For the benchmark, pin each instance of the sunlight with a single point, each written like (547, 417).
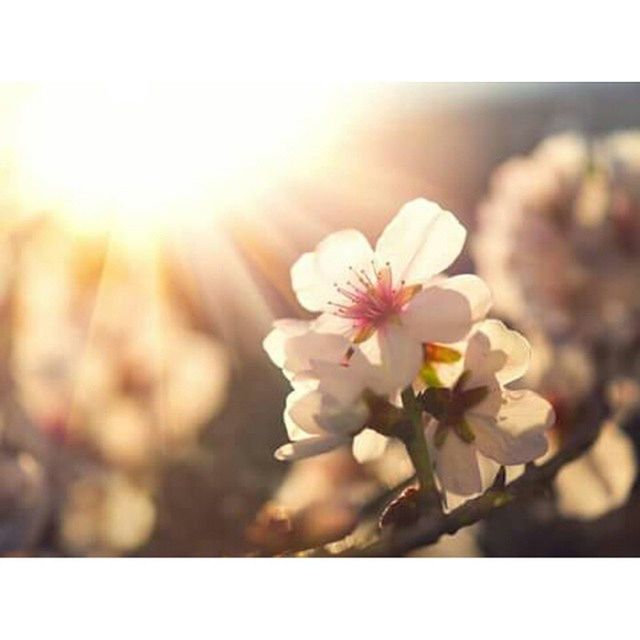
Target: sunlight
(149, 157)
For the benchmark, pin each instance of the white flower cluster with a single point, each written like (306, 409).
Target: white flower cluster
(392, 330)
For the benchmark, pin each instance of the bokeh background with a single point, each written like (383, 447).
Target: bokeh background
(146, 235)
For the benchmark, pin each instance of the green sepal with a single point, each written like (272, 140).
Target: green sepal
(463, 430)
(472, 397)
(436, 400)
(441, 435)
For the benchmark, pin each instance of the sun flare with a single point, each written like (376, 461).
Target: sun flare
(149, 157)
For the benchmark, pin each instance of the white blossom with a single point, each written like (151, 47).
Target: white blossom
(390, 299)
(330, 402)
(481, 424)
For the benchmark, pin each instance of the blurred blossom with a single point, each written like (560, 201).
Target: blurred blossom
(106, 514)
(563, 370)
(601, 479)
(559, 242)
(318, 502)
(623, 393)
(106, 359)
(111, 380)
(558, 236)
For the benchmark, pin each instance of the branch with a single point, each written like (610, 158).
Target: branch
(431, 527)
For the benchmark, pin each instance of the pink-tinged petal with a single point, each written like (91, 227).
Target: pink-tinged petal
(420, 242)
(315, 275)
(396, 356)
(496, 351)
(309, 447)
(455, 463)
(516, 435)
(447, 311)
(282, 332)
(369, 445)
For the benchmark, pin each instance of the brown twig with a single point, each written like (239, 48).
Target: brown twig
(431, 527)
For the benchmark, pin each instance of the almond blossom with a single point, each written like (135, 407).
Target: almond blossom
(479, 424)
(390, 299)
(391, 326)
(332, 399)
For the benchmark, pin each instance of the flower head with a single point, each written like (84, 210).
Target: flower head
(478, 424)
(333, 398)
(389, 299)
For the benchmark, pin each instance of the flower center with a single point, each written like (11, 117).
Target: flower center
(370, 302)
(449, 406)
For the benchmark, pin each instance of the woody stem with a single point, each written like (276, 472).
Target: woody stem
(416, 445)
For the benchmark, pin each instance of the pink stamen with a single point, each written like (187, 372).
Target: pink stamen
(372, 301)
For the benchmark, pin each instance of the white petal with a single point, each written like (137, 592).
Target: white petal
(420, 242)
(456, 464)
(474, 289)
(369, 445)
(524, 410)
(331, 323)
(318, 412)
(446, 312)
(397, 357)
(310, 288)
(490, 406)
(283, 330)
(302, 351)
(488, 471)
(345, 383)
(495, 350)
(517, 434)
(309, 447)
(315, 275)
(301, 401)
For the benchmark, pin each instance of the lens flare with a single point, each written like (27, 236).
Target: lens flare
(148, 157)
